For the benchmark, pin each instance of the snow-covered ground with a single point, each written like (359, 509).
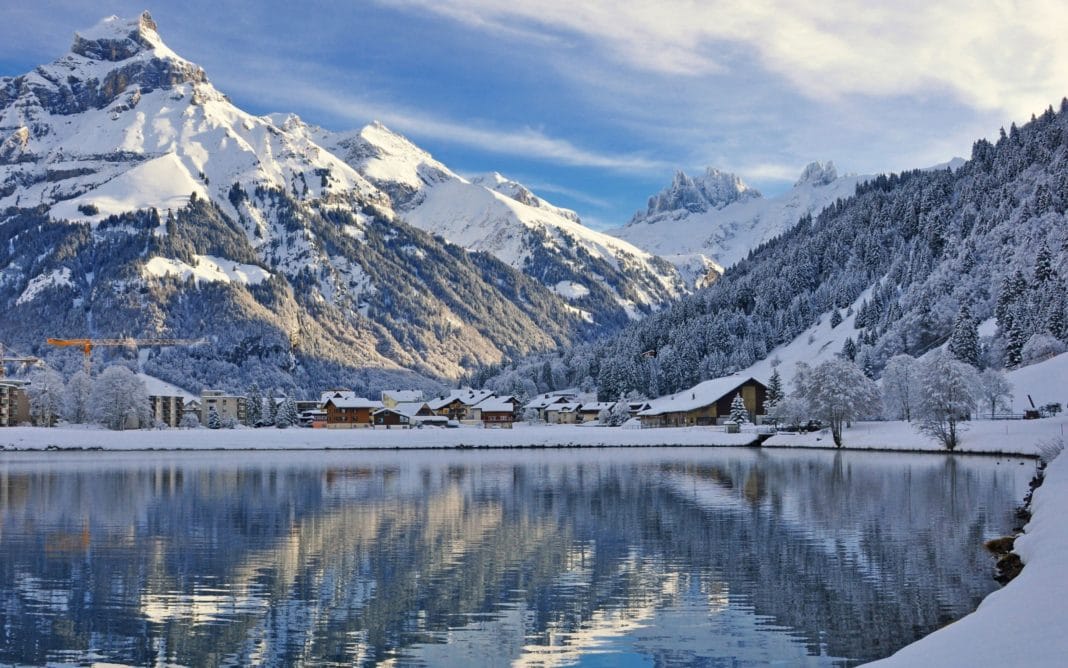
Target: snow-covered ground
(1024, 623)
(27, 438)
(979, 436)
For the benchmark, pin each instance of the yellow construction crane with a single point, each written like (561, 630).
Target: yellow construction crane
(18, 360)
(87, 345)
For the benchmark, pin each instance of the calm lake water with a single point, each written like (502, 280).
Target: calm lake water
(556, 557)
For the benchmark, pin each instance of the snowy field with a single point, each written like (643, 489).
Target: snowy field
(978, 436)
(1024, 623)
(35, 438)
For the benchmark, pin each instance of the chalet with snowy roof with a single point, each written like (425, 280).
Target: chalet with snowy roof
(457, 404)
(706, 403)
(335, 394)
(562, 413)
(348, 412)
(390, 398)
(497, 412)
(14, 403)
(390, 417)
(591, 410)
(542, 402)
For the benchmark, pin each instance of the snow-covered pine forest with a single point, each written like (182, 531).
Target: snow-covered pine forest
(987, 241)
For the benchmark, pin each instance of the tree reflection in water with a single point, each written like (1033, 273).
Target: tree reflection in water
(671, 556)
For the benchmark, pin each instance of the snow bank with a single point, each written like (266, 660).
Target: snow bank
(30, 438)
(1022, 624)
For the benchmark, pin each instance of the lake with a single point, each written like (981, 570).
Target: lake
(602, 557)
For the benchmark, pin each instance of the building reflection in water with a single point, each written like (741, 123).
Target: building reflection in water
(532, 558)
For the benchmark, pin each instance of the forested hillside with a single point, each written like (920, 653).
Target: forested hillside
(991, 237)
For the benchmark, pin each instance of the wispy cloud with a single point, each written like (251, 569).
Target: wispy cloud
(525, 141)
(998, 55)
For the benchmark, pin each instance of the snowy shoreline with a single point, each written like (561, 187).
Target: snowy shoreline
(1019, 438)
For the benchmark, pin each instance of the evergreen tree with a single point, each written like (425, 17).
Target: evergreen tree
(836, 318)
(214, 422)
(1043, 265)
(739, 414)
(775, 392)
(964, 342)
(287, 415)
(254, 412)
(849, 349)
(271, 414)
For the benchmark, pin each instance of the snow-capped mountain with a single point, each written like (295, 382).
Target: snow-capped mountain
(706, 224)
(606, 279)
(139, 200)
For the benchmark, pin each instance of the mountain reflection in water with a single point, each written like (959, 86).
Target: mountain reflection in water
(599, 557)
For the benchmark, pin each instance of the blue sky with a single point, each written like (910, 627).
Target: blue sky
(593, 103)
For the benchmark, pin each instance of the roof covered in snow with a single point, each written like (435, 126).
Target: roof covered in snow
(496, 405)
(403, 395)
(161, 388)
(698, 396)
(353, 402)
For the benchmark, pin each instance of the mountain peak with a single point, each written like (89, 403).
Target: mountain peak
(116, 39)
(714, 189)
(817, 174)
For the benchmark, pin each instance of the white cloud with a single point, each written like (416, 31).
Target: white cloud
(1005, 56)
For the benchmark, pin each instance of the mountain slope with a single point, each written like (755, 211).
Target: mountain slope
(138, 200)
(900, 260)
(712, 222)
(607, 279)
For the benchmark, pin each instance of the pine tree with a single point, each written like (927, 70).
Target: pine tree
(254, 413)
(271, 413)
(836, 318)
(849, 349)
(1043, 265)
(775, 392)
(214, 422)
(287, 414)
(739, 414)
(964, 342)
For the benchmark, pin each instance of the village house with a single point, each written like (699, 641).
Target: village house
(390, 398)
(457, 404)
(226, 405)
(542, 402)
(390, 417)
(348, 412)
(14, 403)
(168, 403)
(706, 403)
(419, 414)
(497, 412)
(591, 411)
(562, 413)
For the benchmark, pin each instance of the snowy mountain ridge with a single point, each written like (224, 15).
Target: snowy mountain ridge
(702, 235)
(502, 217)
(139, 200)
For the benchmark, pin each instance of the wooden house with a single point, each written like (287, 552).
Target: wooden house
(349, 412)
(497, 412)
(706, 403)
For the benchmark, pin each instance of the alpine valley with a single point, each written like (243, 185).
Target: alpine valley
(139, 201)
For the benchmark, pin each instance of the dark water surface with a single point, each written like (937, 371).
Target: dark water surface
(592, 557)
